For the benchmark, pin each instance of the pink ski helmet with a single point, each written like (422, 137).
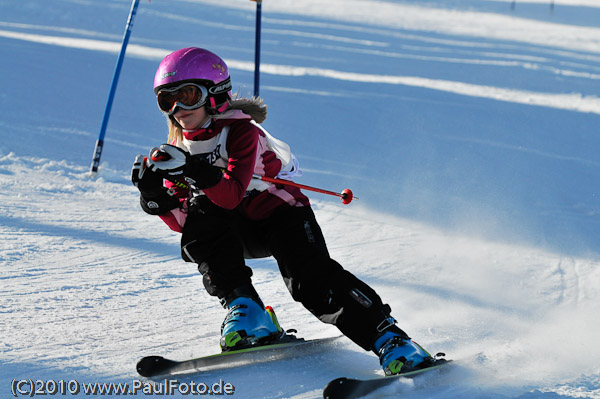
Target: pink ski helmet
(195, 65)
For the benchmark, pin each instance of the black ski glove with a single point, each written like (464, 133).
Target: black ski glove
(172, 163)
(147, 181)
(155, 199)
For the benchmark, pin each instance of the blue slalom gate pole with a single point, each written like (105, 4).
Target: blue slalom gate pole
(113, 88)
(257, 48)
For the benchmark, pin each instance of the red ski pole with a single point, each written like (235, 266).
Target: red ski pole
(346, 194)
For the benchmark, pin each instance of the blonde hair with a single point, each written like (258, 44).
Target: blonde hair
(254, 107)
(175, 132)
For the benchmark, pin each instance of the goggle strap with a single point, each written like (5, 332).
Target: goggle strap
(213, 105)
(223, 107)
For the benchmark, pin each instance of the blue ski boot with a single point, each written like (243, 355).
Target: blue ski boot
(249, 324)
(399, 355)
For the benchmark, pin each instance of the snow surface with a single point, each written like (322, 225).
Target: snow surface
(469, 130)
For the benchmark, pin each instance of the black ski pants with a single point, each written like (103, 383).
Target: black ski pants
(220, 240)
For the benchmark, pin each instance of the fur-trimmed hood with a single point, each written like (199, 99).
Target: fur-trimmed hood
(254, 107)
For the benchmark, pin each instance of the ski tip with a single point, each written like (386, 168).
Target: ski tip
(333, 387)
(147, 366)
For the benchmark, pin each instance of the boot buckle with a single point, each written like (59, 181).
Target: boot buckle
(386, 323)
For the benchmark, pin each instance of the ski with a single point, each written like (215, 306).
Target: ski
(349, 388)
(290, 346)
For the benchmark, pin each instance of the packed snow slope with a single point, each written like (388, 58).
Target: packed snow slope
(469, 130)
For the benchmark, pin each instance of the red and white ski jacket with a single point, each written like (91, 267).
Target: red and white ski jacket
(239, 146)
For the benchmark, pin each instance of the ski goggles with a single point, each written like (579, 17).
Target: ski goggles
(186, 96)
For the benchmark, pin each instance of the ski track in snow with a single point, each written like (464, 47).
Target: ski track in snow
(91, 283)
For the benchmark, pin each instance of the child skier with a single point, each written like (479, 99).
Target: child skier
(202, 185)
